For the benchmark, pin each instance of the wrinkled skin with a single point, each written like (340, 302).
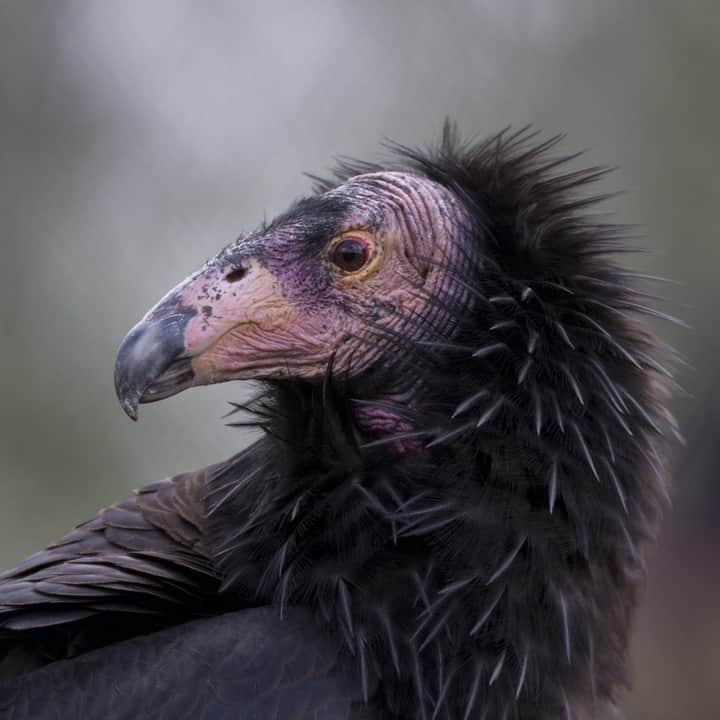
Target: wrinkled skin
(277, 303)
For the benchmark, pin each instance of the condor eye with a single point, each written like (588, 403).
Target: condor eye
(350, 254)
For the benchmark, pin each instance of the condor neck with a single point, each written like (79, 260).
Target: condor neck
(455, 567)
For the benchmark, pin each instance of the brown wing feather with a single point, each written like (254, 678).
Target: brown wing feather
(138, 564)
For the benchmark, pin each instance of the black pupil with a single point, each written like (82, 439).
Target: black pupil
(350, 254)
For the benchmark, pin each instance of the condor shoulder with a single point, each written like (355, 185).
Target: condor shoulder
(138, 565)
(129, 555)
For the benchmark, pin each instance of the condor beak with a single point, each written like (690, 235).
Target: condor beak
(219, 324)
(149, 365)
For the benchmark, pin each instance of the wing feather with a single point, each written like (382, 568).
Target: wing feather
(137, 565)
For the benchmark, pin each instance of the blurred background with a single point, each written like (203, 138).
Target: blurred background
(136, 139)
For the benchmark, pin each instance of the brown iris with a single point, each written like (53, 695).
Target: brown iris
(350, 254)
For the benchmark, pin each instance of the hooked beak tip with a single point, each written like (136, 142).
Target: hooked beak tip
(128, 394)
(129, 404)
(144, 358)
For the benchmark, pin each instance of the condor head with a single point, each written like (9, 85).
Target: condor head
(346, 275)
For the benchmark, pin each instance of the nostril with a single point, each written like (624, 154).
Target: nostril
(237, 274)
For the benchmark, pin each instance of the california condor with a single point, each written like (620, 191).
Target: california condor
(463, 456)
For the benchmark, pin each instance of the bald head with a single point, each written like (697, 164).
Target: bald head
(341, 275)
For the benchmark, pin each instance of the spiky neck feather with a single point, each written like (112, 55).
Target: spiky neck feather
(496, 570)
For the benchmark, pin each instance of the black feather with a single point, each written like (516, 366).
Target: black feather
(454, 550)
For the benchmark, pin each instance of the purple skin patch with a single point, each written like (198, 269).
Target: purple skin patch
(378, 423)
(275, 303)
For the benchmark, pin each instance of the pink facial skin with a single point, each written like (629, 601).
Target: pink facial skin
(245, 328)
(274, 304)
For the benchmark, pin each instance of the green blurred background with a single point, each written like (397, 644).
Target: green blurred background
(138, 138)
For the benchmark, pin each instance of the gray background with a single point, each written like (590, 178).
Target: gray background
(138, 138)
